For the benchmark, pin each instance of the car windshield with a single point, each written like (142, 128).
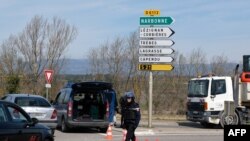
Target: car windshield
(32, 102)
(198, 88)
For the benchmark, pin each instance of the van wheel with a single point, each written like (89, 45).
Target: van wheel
(64, 127)
(229, 119)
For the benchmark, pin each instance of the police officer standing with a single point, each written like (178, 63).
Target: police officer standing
(132, 116)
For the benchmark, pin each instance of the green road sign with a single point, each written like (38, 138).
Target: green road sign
(156, 20)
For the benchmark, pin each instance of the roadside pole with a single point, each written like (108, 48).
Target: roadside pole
(47, 92)
(150, 102)
(154, 46)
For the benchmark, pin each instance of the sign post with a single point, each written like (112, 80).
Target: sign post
(155, 33)
(48, 75)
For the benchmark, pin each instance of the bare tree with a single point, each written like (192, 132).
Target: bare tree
(97, 59)
(135, 79)
(11, 63)
(42, 45)
(197, 61)
(219, 65)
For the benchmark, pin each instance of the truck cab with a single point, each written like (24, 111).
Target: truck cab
(205, 99)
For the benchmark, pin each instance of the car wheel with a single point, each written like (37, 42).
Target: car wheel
(64, 127)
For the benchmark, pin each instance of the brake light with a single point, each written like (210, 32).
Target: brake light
(54, 115)
(107, 109)
(69, 110)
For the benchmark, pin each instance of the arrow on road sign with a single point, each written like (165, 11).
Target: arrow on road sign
(48, 75)
(152, 32)
(166, 51)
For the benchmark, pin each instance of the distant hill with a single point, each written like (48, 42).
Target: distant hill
(76, 66)
(82, 66)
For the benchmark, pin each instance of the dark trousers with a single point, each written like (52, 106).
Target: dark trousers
(130, 131)
(122, 121)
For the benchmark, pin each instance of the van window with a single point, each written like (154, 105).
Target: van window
(61, 97)
(67, 96)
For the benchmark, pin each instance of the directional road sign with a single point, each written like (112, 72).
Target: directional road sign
(48, 75)
(156, 42)
(153, 32)
(156, 20)
(155, 67)
(155, 59)
(165, 51)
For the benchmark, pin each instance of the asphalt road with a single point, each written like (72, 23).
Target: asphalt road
(161, 131)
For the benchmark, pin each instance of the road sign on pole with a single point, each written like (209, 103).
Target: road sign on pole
(165, 51)
(156, 59)
(152, 12)
(167, 42)
(155, 67)
(155, 32)
(48, 75)
(156, 20)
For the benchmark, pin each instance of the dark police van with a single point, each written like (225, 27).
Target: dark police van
(83, 104)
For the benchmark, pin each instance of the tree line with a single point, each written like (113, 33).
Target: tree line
(42, 45)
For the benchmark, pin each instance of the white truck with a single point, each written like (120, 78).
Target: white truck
(223, 100)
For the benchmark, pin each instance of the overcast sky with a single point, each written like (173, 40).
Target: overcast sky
(218, 27)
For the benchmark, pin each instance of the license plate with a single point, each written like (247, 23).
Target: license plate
(36, 114)
(195, 112)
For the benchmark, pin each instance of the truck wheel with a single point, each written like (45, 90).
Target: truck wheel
(229, 119)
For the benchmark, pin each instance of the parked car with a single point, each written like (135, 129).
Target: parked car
(36, 106)
(17, 125)
(83, 104)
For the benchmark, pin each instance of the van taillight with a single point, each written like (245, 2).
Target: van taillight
(107, 109)
(54, 114)
(69, 110)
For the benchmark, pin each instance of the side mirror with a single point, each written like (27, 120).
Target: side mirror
(34, 121)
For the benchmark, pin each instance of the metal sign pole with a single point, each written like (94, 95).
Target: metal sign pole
(150, 99)
(47, 93)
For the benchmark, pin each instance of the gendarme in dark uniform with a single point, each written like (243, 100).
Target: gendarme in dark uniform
(132, 116)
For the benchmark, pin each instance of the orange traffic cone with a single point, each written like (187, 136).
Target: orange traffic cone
(124, 132)
(109, 135)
